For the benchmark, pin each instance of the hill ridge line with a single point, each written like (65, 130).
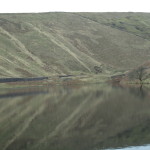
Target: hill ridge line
(109, 26)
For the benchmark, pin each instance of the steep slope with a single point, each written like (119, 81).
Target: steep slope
(63, 43)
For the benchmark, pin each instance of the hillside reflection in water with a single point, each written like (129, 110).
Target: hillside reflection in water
(90, 117)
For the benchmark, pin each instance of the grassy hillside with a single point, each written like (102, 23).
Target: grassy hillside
(72, 43)
(135, 23)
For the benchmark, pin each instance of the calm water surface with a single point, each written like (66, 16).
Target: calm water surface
(91, 117)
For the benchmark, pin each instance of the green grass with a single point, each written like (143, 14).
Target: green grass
(135, 23)
(68, 43)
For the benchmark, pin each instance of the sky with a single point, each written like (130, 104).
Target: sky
(19, 6)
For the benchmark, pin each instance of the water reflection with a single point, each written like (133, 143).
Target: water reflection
(146, 147)
(10, 93)
(89, 117)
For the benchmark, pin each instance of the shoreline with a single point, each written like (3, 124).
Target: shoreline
(65, 80)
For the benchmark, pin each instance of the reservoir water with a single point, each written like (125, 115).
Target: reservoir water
(87, 117)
